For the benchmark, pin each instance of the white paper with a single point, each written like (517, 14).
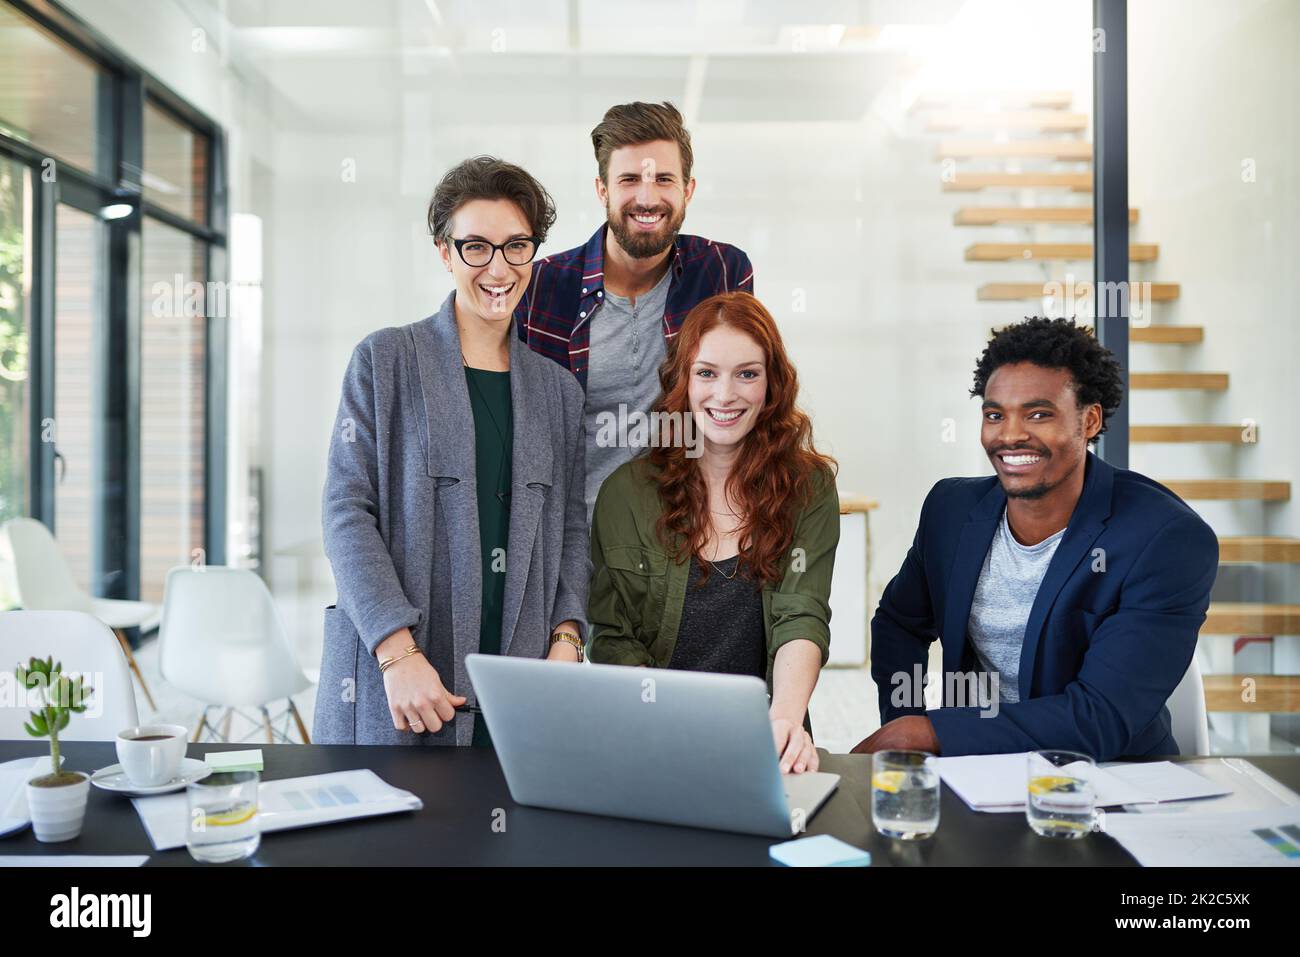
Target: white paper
(286, 803)
(1209, 840)
(1250, 790)
(1164, 781)
(72, 860)
(14, 776)
(998, 782)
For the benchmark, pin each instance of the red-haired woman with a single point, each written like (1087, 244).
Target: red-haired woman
(714, 551)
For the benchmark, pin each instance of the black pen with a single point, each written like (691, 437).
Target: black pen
(469, 709)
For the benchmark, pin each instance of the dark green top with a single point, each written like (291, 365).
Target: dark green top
(489, 398)
(638, 590)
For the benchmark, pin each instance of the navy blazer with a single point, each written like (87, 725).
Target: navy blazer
(1110, 634)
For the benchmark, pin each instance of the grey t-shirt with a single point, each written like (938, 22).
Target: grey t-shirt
(1004, 595)
(627, 346)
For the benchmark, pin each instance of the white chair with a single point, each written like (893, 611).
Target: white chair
(221, 641)
(84, 645)
(1187, 716)
(42, 582)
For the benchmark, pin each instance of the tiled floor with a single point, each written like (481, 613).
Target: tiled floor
(843, 706)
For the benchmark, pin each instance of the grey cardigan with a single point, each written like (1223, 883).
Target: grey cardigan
(400, 519)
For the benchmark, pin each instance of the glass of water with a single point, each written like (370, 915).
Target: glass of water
(223, 823)
(904, 795)
(1061, 801)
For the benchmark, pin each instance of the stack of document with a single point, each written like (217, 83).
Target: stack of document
(285, 804)
(1237, 839)
(999, 782)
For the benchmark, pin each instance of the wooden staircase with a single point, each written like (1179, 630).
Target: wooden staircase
(1039, 142)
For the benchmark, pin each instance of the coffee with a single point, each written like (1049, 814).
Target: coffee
(151, 754)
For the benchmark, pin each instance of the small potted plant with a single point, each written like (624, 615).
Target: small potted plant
(57, 801)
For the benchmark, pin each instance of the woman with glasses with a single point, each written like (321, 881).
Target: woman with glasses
(453, 517)
(714, 551)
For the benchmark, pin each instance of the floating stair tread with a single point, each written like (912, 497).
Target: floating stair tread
(1268, 693)
(1056, 120)
(1035, 99)
(1015, 215)
(1251, 618)
(1250, 549)
(1167, 335)
(1188, 433)
(1259, 490)
(1213, 381)
(1066, 150)
(1008, 291)
(1013, 252)
(969, 182)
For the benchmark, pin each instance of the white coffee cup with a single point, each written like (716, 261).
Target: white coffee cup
(151, 753)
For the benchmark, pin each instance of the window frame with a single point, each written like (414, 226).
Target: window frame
(125, 89)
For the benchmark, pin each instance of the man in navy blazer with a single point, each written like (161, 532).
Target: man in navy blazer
(1075, 588)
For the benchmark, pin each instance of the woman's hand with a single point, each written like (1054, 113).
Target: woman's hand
(563, 650)
(417, 699)
(794, 746)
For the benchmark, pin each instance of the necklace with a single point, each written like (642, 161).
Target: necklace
(502, 494)
(734, 573)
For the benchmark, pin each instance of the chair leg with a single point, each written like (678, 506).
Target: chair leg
(266, 723)
(225, 725)
(302, 728)
(130, 660)
(203, 720)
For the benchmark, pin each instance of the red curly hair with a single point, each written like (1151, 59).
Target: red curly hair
(772, 480)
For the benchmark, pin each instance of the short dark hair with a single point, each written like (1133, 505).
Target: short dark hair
(486, 177)
(630, 123)
(1057, 344)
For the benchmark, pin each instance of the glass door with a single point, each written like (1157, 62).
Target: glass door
(77, 426)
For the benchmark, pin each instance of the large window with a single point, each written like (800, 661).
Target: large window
(172, 403)
(15, 298)
(76, 430)
(51, 95)
(109, 218)
(175, 165)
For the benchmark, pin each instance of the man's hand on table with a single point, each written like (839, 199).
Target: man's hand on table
(911, 732)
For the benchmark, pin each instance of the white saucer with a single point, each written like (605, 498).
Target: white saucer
(113, 778)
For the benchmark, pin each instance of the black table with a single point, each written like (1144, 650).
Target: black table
(464, 793)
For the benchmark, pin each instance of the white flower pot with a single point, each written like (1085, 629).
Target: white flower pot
(58, 813)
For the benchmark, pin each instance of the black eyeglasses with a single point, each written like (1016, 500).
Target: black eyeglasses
(479, 252)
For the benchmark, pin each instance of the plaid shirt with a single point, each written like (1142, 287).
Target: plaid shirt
(554, 316)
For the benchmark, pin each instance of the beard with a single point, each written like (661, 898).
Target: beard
(1034, 491)
(641, 245)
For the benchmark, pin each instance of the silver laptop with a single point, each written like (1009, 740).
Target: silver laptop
(676, 747)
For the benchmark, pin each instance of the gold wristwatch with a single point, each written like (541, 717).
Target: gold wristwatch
(571, 638)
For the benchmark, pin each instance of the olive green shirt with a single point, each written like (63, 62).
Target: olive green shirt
(637, 588)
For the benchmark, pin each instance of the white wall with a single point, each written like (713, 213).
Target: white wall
(1213, 86)
(807, 164)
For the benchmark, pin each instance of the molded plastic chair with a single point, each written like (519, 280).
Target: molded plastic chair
(84, 645)
(43, 583)
(221, 641)
(1187, 716)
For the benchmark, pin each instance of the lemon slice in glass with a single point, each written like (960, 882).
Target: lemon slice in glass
(1047, 783)
(235, 815)
(889, 781)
